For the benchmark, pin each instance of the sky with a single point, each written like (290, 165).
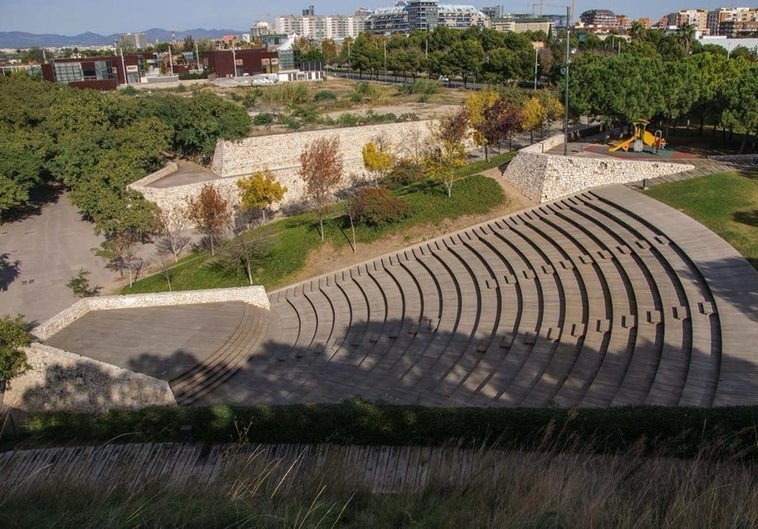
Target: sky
(72, 17)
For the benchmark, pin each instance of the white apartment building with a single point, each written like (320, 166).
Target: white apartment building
(320, 27)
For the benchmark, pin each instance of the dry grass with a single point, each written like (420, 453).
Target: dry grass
(503, 490)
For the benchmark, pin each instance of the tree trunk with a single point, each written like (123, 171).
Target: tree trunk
(743, 144)
(213, 250)
(352, 228)
(702, 124)
(248, 270)
(321, 226)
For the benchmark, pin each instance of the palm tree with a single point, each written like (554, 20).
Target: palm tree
(685, 34)
(637, 31)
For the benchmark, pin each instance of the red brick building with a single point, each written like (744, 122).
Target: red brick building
(246, 61)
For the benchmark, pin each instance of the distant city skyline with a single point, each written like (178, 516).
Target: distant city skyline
(73, 17)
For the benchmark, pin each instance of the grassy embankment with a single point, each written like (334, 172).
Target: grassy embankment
(285, 243)
(727, 203)
(513, 490)
(535, 468)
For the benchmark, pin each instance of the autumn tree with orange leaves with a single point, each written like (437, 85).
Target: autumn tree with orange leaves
(210, 213)
(321, 168)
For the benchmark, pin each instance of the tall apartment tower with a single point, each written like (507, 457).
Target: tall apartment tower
(422, 14)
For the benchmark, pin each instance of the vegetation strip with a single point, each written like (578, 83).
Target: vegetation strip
(719, 433)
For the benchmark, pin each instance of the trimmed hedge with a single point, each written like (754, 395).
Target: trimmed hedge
(721, 433)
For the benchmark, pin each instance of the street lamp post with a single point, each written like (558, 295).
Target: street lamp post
(535, 68)
(385, 61)
(234, 60)
(568, 62)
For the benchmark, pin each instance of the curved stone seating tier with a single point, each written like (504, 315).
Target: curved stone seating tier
(581, 302)
(226, 361)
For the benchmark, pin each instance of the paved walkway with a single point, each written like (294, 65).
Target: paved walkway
(44, 252)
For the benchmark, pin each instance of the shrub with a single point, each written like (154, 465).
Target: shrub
(348, 120)
(420, 86)
(263, 118)
(14, 336)
(377, 206)
(290, 122)
(404, 173)
(408, 116)
(324, 95)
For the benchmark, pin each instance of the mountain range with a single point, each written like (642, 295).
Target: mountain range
(21, 39)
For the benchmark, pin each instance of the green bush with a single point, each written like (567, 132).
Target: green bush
(718, 433)
(323, 96)
(348, 120)
(377, 206)
(263, 118)
(419, 86)
(404, 173)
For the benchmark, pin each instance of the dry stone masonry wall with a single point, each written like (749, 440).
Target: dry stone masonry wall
(280, 153)
(59, 380)
(254, 295)
(544, 177)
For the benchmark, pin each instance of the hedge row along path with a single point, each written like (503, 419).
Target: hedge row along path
(605, 298)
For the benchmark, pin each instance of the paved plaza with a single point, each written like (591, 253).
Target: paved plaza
(606, 298)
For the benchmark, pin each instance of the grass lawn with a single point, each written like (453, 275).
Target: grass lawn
(283, 246)
(727, 203)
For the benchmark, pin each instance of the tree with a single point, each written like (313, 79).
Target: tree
(476, 103)
(169, 226)
(209, 211)
(741, 96)
(120, 250)
(534, 115)
(189, 43)
(14, 336)
(376, 158)
(259, 190)
(501, 122)
(685, 35)
(321, 168)
(79, 285)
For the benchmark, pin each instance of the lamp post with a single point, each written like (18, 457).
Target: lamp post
(385, 61)
(234, 60)
(535, 68)
(349, 70)
(568, 62)
(123, 66)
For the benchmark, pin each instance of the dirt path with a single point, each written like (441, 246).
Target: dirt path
(328, 258)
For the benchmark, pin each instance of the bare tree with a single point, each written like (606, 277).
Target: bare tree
(210, 213)
(121, 253)
(321, 168)
(169, 226)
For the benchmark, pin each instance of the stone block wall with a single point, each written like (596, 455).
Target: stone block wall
(254, 295)
(59, 380)
(544, 177)
(280, 153)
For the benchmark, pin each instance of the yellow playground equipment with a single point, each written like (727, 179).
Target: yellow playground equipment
(641, 137)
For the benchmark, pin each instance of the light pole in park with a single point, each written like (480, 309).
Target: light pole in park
(568, 62)
(535, 68)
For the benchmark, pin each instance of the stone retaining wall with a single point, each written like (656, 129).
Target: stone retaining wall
(747, 159)
(544, 177)
(280, 153)
(59, 380)
(255, 295)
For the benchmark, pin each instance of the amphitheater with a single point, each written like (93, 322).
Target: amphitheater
(603, 297)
